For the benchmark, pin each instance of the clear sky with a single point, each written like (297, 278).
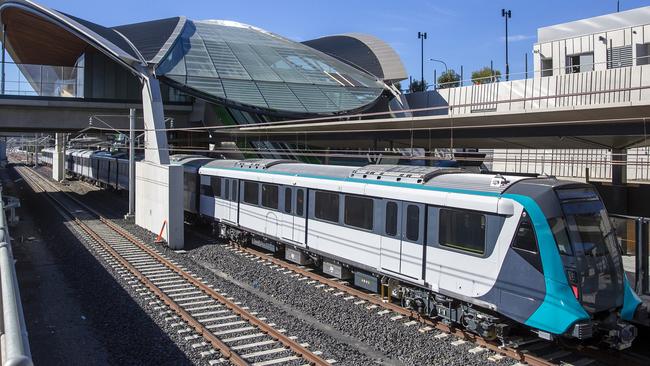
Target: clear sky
(461, 32)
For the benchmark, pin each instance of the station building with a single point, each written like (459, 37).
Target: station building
(228, 72)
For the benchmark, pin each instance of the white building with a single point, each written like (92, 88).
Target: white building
(604, 42)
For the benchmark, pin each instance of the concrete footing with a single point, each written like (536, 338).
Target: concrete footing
(159, 201)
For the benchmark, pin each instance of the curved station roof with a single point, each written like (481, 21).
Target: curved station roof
(220, 61)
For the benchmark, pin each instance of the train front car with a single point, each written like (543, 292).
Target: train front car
(587, 295)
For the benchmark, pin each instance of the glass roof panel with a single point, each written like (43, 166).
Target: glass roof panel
(250, 66)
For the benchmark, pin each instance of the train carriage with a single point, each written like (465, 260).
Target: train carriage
(480, 250)
(191, 182)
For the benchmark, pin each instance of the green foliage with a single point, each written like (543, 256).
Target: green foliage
(485, 76)
(417, 86)
(448, 79)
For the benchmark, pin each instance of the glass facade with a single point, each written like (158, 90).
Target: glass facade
(243, 65)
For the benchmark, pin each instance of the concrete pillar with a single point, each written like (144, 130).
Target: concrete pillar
(619, 167)
(158, 185)
(3, 152)
(58, 158)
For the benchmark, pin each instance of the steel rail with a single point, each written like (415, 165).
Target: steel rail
(226, 352)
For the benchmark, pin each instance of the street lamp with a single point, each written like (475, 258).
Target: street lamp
(435, 82)
(507, 15)
(422, 36)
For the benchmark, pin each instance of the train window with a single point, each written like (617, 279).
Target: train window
(300, 202)
(287, 200)
(558, 227)
(251, 193)
(270, 196)
(391, 218)
(525, 236)
(462, 230)
(412, 222)
(525, 243)
(358, 212)
(206, 190)
(233, 191)
(326, 206)
(226, 195)
(215, 183)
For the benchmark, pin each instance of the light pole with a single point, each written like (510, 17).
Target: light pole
(422, 36)
(507, 15)
(435, 82)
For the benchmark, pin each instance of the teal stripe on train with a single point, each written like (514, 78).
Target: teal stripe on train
(630, 302)
(560, 309)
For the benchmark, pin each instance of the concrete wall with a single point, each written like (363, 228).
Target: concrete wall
(600, 87)
(159, 201)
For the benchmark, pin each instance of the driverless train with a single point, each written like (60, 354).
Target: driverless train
(489, 252)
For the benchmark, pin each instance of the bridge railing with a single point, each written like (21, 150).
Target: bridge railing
(14, 343)
(42, 80)
(635, 249)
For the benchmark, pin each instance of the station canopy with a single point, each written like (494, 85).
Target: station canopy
(220, 61)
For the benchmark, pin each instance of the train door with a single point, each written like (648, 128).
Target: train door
(391, 238)
(293, 215)
(300, 217)
(233, 202)
(412, 239)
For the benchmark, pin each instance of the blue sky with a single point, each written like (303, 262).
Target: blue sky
(463, 32)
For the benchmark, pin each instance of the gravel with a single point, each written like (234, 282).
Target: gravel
(348, 333)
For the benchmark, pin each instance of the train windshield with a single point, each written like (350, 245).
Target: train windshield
(594, 246)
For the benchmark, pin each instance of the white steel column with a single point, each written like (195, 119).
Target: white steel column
(58, 158)
(131, 212)
(158, 184)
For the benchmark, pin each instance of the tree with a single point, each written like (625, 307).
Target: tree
(485, 76)
(416, 86)
(448, 79)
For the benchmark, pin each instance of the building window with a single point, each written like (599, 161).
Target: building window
(582, 62)
(270, 196)
(359, 212)
(462, 230)
(412, 222)
(547, 67)
(287, 200)
(326, 206)
(300, 202)
(391, 218)
(643, 54)
(619, 57)
(251, 193)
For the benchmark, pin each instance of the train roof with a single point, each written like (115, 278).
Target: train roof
(439, 177)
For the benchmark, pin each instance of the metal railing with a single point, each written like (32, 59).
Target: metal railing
(42, 80)
(592, 164)
(13, 337)
(635, 249)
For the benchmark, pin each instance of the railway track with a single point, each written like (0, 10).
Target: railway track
(537, 353)
(235, 333)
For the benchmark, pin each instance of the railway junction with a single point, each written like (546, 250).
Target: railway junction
(182, 191)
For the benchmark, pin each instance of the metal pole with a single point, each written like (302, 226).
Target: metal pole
(422, 36)
(507, 15)
(461, 75)
(526, 61)
(4, 39)
(435, 79)
(131, 212)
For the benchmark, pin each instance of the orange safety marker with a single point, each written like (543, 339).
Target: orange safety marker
(159, 239)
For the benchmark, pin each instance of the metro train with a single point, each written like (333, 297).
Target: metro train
(489, 252)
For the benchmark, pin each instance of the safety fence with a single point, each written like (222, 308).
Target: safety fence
(13, 331)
